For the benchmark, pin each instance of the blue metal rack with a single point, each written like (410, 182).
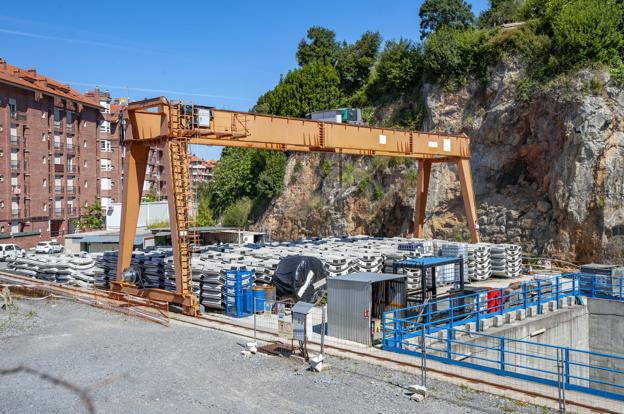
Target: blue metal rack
(238, 293)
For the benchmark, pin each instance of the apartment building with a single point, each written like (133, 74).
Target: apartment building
(109, 151)
(200, 170)
(49, 136)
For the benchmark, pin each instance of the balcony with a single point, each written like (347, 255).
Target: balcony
(15, 141)
(59, 168)
(16, 190)
(58, 212)
(71, 148)
(18, 116)
(15, 213)
(58, 146)
(69, 128)
(72, 169)
(57, 124)
(70, 189)
(58, 190)
(15, 166)
(72, 211)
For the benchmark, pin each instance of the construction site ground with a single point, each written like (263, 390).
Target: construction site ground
(134, 366)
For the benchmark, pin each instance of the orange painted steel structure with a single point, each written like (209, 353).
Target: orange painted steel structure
(172, 126)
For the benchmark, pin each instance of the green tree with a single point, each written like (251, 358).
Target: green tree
(237, 214)
(205, 216)
(500, 12)
(399, 70)
(355, 61)
(152, 195)
(435, 14)
(315, 86)
(588, 31)
(453, 55)
(321, 47)
(244, 172)
(93, 217)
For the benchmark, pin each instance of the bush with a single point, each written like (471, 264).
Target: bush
(314, 87)
(399, 70)
(452, 56)
(237, 214)
(588, 31)
(326, 168)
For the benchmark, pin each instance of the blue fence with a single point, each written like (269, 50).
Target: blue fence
(440, 326)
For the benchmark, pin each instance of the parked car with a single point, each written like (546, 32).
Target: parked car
(10, 250)
(48, 247)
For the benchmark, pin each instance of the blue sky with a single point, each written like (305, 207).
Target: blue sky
(223, 54)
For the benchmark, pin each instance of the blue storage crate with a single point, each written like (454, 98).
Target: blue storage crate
(238, 293)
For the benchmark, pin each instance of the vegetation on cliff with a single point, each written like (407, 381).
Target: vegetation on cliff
(552, 37)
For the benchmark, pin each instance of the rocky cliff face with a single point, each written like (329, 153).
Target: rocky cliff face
(548, 172)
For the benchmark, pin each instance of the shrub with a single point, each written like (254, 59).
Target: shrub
(236, 214)
(326, 168)
(588, 31)
(452, 56)
(399, 70)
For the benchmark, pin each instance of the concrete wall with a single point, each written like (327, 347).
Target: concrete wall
(606, 334)
(148, 214)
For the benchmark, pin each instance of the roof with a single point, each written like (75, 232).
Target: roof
(429, 261)
(29, 79)
(138, 239)
(367, 277)
(302, 307)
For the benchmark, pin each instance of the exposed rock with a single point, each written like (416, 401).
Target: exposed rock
(548, 173)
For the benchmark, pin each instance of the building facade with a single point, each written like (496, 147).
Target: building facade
(49, 136)
(200, 170)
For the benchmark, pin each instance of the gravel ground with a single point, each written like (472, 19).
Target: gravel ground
(132, 366)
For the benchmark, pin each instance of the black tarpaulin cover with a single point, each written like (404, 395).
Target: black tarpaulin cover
(301, 278)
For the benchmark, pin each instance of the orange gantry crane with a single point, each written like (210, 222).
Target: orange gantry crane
(157, 123)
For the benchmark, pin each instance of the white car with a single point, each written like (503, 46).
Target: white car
(10, 250)
(48, 247)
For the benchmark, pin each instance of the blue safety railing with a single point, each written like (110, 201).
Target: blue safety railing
(585, 371)
(440, 320)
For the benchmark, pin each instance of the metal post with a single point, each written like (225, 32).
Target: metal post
(557, 289)
(561, 380)
(423, 359)
(524, 295)
(539, 297)
(323, 326)
(501, 294)
(478, 304)
(253, 300)
(502, 353)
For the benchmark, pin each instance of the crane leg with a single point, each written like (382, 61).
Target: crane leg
(424, 173)
(136, 164)
(465, 179)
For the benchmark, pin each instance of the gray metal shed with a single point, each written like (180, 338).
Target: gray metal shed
(356, 302)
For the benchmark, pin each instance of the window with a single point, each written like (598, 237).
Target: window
(44, 159)
(106, 165)
(45, 206)
(86, 184)
(44, 137)
(105, 184)
(45, 182)
(105, 146)
(105, 127)
(85, 164)
(57, 117)
(12, 107)
(105, 107)
(69, 117)
(106, 201)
